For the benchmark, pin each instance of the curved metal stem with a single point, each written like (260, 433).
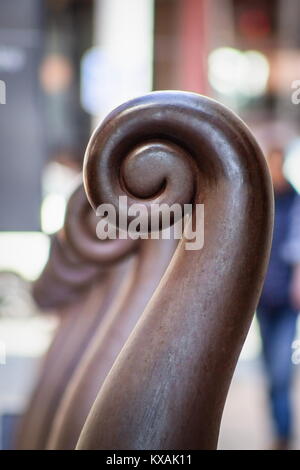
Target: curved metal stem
(168, 386)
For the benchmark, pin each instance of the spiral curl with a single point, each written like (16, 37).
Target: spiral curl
(65, 266)
(80, 229)
(165, 147)
(206, 298)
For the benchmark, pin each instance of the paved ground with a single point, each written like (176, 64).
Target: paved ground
(246, 422)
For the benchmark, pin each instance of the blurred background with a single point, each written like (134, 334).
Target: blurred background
(64, 64)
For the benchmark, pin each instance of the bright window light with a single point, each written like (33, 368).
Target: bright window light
(53, 213)
(24, 253)
(225, 69)
(233, 72)
(59, 182)
(119, 67)
(28, 336)
(255, 74)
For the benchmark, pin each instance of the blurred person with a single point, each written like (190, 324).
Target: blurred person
(280, 300)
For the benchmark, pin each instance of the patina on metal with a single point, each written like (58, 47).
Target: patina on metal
(168, 386)
(152, 260)
(81, 289)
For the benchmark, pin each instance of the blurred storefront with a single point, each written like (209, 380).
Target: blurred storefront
(65, 64)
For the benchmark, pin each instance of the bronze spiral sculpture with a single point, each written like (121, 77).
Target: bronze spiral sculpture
(80, 229)
(168, 386)
(152, 260)
(67, 274)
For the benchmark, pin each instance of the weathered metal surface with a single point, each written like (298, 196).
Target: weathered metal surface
(153, 258)
(80, 231)
(67, 275)
(168, 386)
